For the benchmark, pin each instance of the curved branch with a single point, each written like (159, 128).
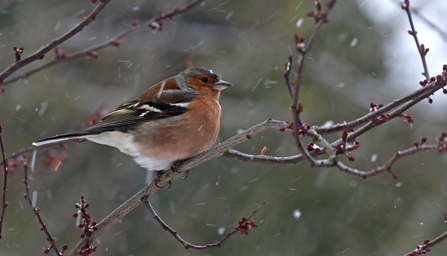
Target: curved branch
(186, 244)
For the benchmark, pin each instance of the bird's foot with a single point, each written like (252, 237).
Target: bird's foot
(157, 179)
(186, 174)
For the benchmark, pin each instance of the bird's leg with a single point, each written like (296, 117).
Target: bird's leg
(157, 179)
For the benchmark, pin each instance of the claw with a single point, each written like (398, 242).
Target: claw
(186, 174)
(175, 165)
(157, 178)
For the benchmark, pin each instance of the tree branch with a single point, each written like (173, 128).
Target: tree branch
(5, 179)
(421, 48)
(40, 54)
(186, 244)
(154, 23)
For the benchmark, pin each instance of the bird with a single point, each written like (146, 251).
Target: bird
(173, 120)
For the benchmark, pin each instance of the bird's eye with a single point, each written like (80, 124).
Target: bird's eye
(204, 79)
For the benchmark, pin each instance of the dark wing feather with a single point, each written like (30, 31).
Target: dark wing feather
(132, 113)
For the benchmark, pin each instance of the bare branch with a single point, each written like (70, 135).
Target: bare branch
(422, 249)
(387, 167)
(41, 53)
(5, 179)
(186, 244)
(414, 97)
(320, 18)
(114, 41)
(43, 226)
(421, 48)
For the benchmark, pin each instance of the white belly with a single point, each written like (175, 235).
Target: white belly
(126, 144)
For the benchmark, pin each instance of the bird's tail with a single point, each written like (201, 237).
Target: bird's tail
(62, 137)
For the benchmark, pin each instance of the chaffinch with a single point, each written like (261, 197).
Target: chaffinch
(174, 119)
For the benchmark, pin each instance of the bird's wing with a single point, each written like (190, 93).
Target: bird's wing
(168, 103)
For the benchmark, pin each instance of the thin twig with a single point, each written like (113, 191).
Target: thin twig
(422, 51)
(43, 226)
(416, 98)
(387, 167)
(439, 30)
(41, 53)
(113, 41)
(186, 244)
(321, 18)
(5, 179)
(428, 89)
(432, 243)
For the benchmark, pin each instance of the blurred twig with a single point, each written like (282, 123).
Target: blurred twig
(43, 226)
(40, 54)
(5, 179)
(154, 23)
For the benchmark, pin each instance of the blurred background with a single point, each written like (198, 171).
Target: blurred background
(364, 54)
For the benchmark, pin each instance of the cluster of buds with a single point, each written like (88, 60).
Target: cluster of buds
(393, 174)
(116, 43)
(47, 250)
(156, 26)
(87, 250)
(441, 81)
(423, 141)
(86, 224)
(407, 117)
(311, 146)
(442, 145)
(18, 52)
(421, 249)
(422, 49)
(345, 147)
(60, 54)
(382, 117)
(245, 226)
(301, 130)
(299, 43)
(319, 14)
(92, 55)
(405, 5)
